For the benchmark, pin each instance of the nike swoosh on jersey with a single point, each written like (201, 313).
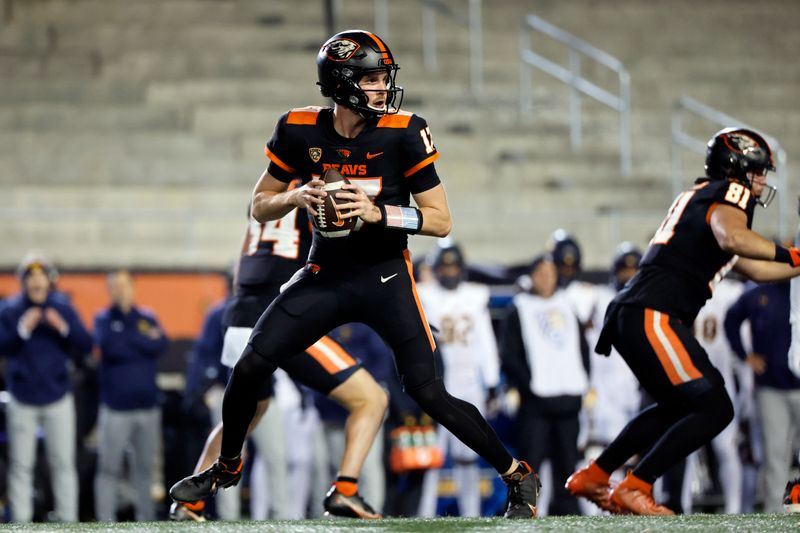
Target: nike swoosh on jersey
(384, 280)
(373, 156)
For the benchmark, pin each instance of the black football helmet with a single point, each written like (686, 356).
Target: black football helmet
(734, 152)
(566, 254)
(627, 255)
(447, 253)
(344, 59)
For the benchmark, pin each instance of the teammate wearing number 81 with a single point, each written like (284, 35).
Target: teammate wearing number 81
(705, 234)
(388, 157)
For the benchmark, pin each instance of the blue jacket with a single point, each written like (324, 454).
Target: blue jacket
(37, 369)
(128, 358)
(204, 366)
(767, 308)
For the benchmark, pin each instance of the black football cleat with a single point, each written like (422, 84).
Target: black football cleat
(205, 484)
(182, 512)
(337, 504)
(523, 491)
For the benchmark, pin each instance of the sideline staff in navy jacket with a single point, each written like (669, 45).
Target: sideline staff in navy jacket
(39, 333)
(130, 341)
(777, 393)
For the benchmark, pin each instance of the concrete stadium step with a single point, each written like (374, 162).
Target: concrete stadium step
(103, 200)
(178, 64)
(114, 39)
(46, 117)
(519, 236)
(137, 240)
(76, 12)
(92, 169)
(256, 91)
(22, 65)
(70, 92)
(122, 144)
(598, 197)
(89, 172)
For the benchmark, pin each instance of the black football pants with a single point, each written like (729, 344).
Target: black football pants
(382, 296)
(691, 404)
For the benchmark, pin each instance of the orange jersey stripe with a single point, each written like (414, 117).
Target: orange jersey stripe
(396, 120)
(303, 117)
(275, 159)
(421, 164)
(410, 268)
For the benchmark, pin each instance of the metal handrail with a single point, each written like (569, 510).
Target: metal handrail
(571, 75)
(682, 139)
(474, 22)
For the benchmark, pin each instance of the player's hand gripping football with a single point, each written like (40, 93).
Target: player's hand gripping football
(310, 195)
(358, 204)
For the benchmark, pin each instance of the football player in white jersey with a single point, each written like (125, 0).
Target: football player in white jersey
(709, 331)
(583, 296)
(460, 310)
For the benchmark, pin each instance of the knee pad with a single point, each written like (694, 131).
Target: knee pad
(718, 404)
(252, 363)
(428, 393)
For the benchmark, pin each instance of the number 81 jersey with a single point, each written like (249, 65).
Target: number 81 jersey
(684, 262)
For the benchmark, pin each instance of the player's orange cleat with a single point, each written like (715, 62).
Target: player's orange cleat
(791, 497)
(634, 496)
(591, 483)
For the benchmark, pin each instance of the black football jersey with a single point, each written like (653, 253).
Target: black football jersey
(391, 159)
(684, 262)
(274, 250)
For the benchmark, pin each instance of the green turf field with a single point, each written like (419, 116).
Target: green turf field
(706, 523)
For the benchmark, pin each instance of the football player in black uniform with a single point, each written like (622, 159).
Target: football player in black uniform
(705, 234)
(271, 253)
(388, 155)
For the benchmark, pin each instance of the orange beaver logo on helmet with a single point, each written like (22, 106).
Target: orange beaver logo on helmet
(342, 49)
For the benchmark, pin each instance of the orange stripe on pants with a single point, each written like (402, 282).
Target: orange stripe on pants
(337, 348)
(320, 357)
(328, 353)
(670, 351)
(410, 268)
